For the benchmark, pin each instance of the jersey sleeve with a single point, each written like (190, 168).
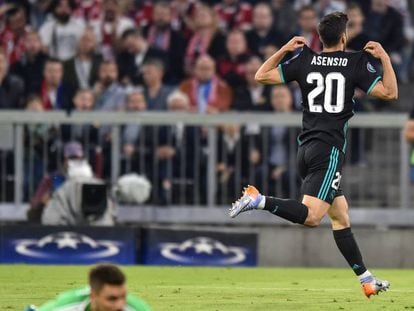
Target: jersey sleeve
(136, 304)
(289, 70)
(367, 76)
(70, 298)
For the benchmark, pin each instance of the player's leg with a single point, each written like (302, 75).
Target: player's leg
(344, 238)
(309, 212)
(347, 245)
(319, 166)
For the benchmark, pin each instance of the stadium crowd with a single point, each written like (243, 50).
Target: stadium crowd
(180, 55)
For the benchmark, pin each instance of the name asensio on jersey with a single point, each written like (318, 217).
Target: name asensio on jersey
(329, 61)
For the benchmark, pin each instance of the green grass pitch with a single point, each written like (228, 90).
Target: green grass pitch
(224, 289)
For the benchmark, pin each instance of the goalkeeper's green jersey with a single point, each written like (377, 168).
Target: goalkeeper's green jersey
(78, 300)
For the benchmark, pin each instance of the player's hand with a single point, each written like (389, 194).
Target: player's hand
(375, 49)
(294, 43)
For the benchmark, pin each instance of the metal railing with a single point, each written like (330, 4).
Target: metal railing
(376, 171)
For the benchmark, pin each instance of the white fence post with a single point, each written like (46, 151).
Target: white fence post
(211, 166)
(115, 153)
(404, 172)
(18, 165)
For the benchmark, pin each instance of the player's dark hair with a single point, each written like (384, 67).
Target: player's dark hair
(331, 28)
(104, 274)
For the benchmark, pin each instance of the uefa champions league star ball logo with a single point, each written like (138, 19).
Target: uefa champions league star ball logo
(60, 244)
(203, 251)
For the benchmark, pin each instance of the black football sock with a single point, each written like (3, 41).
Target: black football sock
(346, 243)
(288, 209)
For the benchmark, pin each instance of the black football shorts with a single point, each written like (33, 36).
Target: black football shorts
(320, 167)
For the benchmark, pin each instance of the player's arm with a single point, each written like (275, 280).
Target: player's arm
(268, 73)
(387, 89)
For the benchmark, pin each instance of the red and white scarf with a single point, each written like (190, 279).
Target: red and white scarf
(13, 45)
(197, 46)
(212, 96)
(153, 36)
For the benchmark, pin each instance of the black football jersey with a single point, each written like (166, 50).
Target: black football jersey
(327, 81)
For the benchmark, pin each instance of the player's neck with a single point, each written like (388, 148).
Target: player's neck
(336, 48)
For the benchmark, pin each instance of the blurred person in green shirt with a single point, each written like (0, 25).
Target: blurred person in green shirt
(107, 291)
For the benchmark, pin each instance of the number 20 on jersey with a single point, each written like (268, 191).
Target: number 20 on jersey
(325, 85)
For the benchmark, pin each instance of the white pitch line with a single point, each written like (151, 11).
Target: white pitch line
(277, 288)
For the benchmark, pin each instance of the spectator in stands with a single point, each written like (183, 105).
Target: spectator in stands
(89, 10)
(234, 14)
(229, 147)
(325, 7)
(142, 14)
(307, 22)
(357, 37)
(54, 93)
(52, 182)
(138, 142)
(36, 137)
(30, 66)
(136, 52)
(183, 14)
(284, 17)
(176, 154)
(263, 34)
(11, 86)
(135, 102)
(385, 25)
(38, 13)
(34, 103)
(13, 35)
(252, 96)
(232, 66)
(279, 152)
(207, 92)
(84, 100)
(110, 95)
(298, 4)
(161, 35)
(61, 33)
(110, 27)
(206, 39)
(81, 71)
(403, 7)
(238, 161)
(363, 4)
(156, 92)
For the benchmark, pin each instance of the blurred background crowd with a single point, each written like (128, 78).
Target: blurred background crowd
(180, 55)
(99, 54)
